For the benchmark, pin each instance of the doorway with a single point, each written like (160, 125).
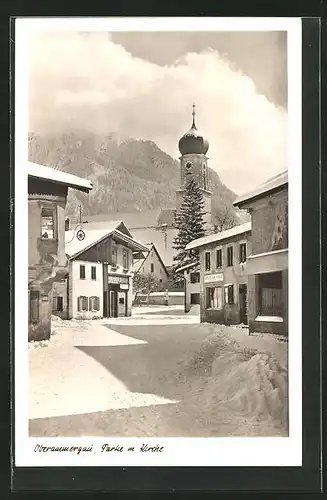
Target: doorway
(243, 304)
(113, 304)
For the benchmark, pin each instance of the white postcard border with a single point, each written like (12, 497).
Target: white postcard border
(286, 451)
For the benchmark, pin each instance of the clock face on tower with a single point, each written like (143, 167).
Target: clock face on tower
(188, 167)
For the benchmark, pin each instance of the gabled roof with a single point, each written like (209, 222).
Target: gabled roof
(222, 235)
(106, 226)
(37, 171)
(272, 184)
(164, 245)
(74, 247)
(139, 262)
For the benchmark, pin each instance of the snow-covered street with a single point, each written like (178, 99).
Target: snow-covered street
(158, 373)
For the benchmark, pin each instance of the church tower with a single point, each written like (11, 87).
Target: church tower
(194, 162)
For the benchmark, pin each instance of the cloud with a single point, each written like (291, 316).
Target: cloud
(86, 81)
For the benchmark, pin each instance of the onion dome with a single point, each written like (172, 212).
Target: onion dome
(193, 142)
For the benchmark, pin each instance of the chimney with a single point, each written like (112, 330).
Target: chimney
(67, 224)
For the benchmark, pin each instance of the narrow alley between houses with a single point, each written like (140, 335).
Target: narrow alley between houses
(157, 373)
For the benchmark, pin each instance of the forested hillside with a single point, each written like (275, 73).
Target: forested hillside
(134, 175)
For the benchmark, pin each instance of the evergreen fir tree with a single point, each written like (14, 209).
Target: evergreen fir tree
(190, 224)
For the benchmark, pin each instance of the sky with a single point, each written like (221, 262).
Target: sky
(143, 85)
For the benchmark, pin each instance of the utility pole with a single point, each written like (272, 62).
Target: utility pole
(80, 214)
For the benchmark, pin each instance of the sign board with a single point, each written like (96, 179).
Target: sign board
(114, 280)
(210, 278)
(124, 286)
(118, 280)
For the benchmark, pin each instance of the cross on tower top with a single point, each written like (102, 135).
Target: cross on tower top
(193, 114)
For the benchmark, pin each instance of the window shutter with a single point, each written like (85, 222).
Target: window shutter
(226, 294)
(78, 303)
(97, 303)
(90, 303)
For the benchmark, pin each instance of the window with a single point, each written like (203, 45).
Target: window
(94, 303)
(229, 256)
(229, 294)
(58, 303)
(214, 298)
(121, 300)
(195, 277)
(207, 261)
(93, 273)
(242, 252)
(82, 303)
(114, 256)
(219, 258)
(152, 268)
(188, 166)
(125, 258)
(82, 272)
(34, 306)
(270, 294)
(47, 224)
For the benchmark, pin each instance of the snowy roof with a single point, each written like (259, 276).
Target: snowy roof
(51, 174)
(139, 262)
(132, 219)
(144, 228)
(222, 235)
(157, 238)
(74, 247)
(190, 265)
(271, 184)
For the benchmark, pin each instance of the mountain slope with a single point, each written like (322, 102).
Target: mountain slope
(134, 175)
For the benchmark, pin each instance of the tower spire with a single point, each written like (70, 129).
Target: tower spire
(193, 114)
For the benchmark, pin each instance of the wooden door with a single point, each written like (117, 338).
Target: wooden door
(113, 303)
(243, 304)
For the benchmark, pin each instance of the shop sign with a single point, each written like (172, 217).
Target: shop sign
(114, 280)
(118, 280)
(210, 278)
(124, 286)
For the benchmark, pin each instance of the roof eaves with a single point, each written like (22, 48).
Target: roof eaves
(96, 242)
(50, 174)
(262, 190)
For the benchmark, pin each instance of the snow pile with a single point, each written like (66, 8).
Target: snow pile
(252, 385)
(244, 390)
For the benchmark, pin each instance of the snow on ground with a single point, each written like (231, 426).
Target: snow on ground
(242, 385)
(64, 381)
(158, 373)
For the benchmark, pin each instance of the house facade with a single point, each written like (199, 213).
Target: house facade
(99, 283)
(268, 262)
(191, 274)
(152, 264)
(223, 275)
(47, 263)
